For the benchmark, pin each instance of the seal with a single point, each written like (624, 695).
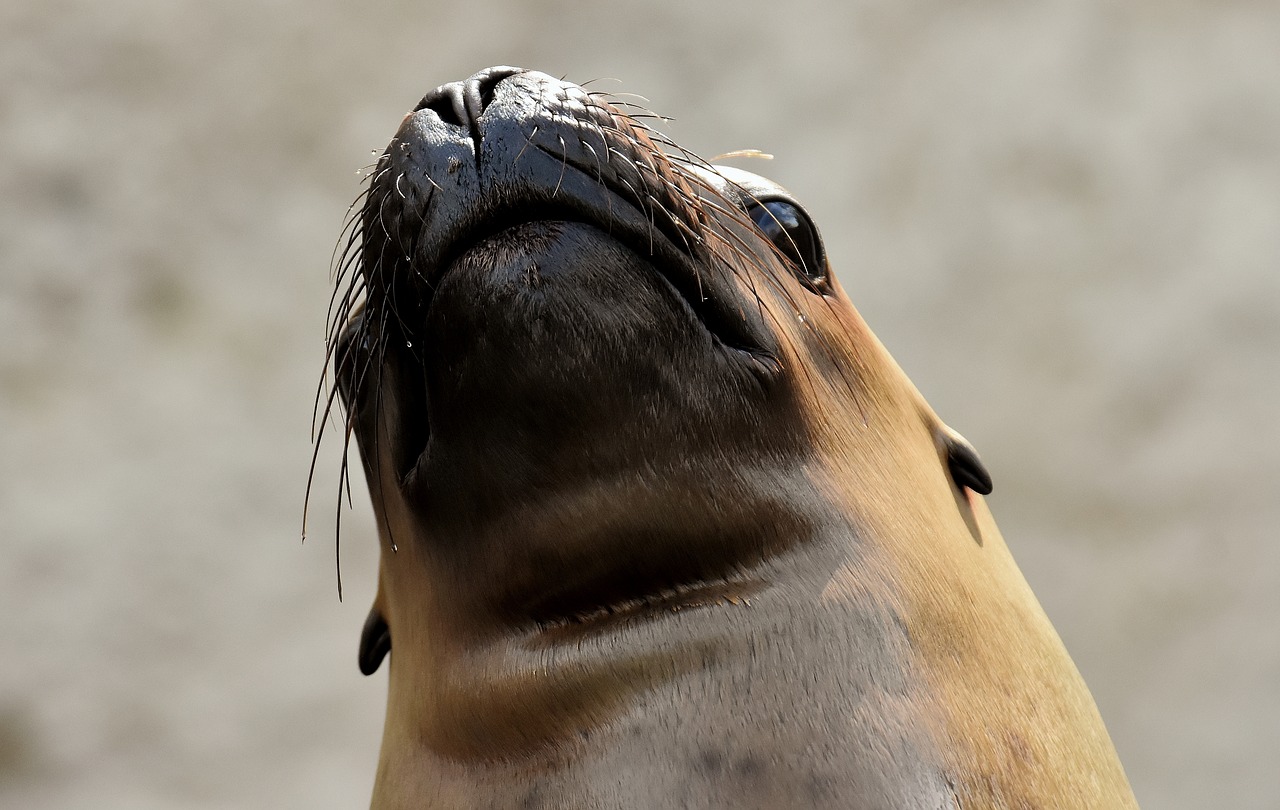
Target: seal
(662, 523)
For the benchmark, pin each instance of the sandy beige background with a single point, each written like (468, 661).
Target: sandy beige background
(1062, 217)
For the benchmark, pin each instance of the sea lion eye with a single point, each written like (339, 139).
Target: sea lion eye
(793, 234)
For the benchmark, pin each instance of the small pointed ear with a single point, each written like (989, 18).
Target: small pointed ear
(967, 470)
(375, 642)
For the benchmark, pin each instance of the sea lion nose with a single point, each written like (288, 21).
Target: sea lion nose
(461, 103)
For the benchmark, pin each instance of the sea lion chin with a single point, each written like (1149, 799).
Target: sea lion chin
(662, 523)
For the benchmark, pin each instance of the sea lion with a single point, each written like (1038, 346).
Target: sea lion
(662, 523)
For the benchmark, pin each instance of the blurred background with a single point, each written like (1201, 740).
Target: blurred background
(1063, 218)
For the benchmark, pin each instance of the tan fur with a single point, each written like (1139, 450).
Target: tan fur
(1020, 725)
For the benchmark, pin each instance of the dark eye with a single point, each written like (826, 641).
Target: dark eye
(793, 234)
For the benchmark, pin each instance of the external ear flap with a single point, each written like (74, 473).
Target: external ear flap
(375, 642)
(967, 470)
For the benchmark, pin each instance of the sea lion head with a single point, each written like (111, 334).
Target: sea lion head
(606, 396)
(572, 327)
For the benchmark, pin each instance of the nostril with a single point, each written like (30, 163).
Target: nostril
(487, 89)
(486, 82)
(479, 90)
(443, 102)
